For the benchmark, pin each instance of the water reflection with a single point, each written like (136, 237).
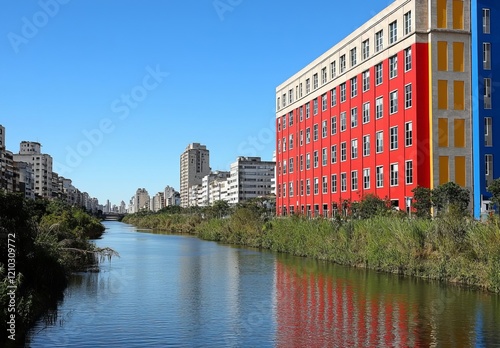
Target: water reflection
(324, 305)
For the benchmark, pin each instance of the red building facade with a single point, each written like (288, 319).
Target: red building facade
(356, 121)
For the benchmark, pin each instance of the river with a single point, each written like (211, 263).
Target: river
(178, 291)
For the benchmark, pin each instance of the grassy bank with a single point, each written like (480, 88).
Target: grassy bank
(41, 243)
(451, 248)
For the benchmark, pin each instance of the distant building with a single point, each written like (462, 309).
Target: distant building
(171, 196)
(194, 165)
(30, 152)
(2, 137)
(250, 178)
(141, 200)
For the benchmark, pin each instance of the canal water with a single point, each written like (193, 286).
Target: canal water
(178, 291)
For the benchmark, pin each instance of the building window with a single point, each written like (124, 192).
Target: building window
(324, 129)
(301, 114)
(308, 85)
(301, 187)
(354, 117)
(308, 110)
(354, 148)
(315, 132)
(290, 165)
(393, 102)
(379, 144)
(290, 118)
(366, 80)
(334, 125)
(315, 81)
(300, 90)
(316, 186)
(408, 134)
(394, 138)
(342, 63)
(379, 176)
(324, 76)
(378, 74)
(366, 145)
(354, 180)
(394, 174)
(342, 92)
(365, 49)
(284, 144)
(301, 162)
(334, 183)
(487, 93)
(315, 106)
(393, 66)
(334, 154)
(354, 87)
(284, 166)
(379, 108)
(324, 156)
(343, 182)
(333, 94)
(366, 112)
(393, 32)
(279, 124)
(407, 20)
(316, 159)
(308, 135)
(366, 178)
(324, 104)
(283, 99)
(408, 61)
(284, 121)
(343, 121)
(488, 135)
(301, 137)
(408, 96)
(353, 57)
(486, 56)
(290, 143)
(343, 151)
(333, 69)
(291, 194)
(308, 187)
(379, 41)
(488, 168)
(486, 20)
(278, 103)
(308, 161)
(279, 145)
(409, 172)
(290, 96)
(325, 184)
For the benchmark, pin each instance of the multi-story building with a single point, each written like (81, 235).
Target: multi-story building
(218, 187)
(171, 196)
(158, 201)
(386, 109)
(485, 43)
(194, 165)
(2, 137)
(141, 200)
(250, 178)
(30, 152)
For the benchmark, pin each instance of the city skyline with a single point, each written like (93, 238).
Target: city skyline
(113, 100)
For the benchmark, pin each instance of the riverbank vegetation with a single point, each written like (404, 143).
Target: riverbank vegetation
(41, 243)
(439, 241)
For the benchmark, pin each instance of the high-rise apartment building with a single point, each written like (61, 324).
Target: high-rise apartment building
(194, 165)
(141, 200)
(30, 152)
(385, 110)
(2, 137)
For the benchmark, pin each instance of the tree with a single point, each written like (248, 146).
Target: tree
(372, 205)
(494, 189)
(451, 195)
(422, 201)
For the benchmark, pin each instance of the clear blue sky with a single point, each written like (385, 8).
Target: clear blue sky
(115, 90)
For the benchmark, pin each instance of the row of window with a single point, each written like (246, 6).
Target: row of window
(330, 184)
(353, 60)
(305, 110)
(366, 150)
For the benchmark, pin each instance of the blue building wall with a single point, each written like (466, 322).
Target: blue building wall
(478, 112)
